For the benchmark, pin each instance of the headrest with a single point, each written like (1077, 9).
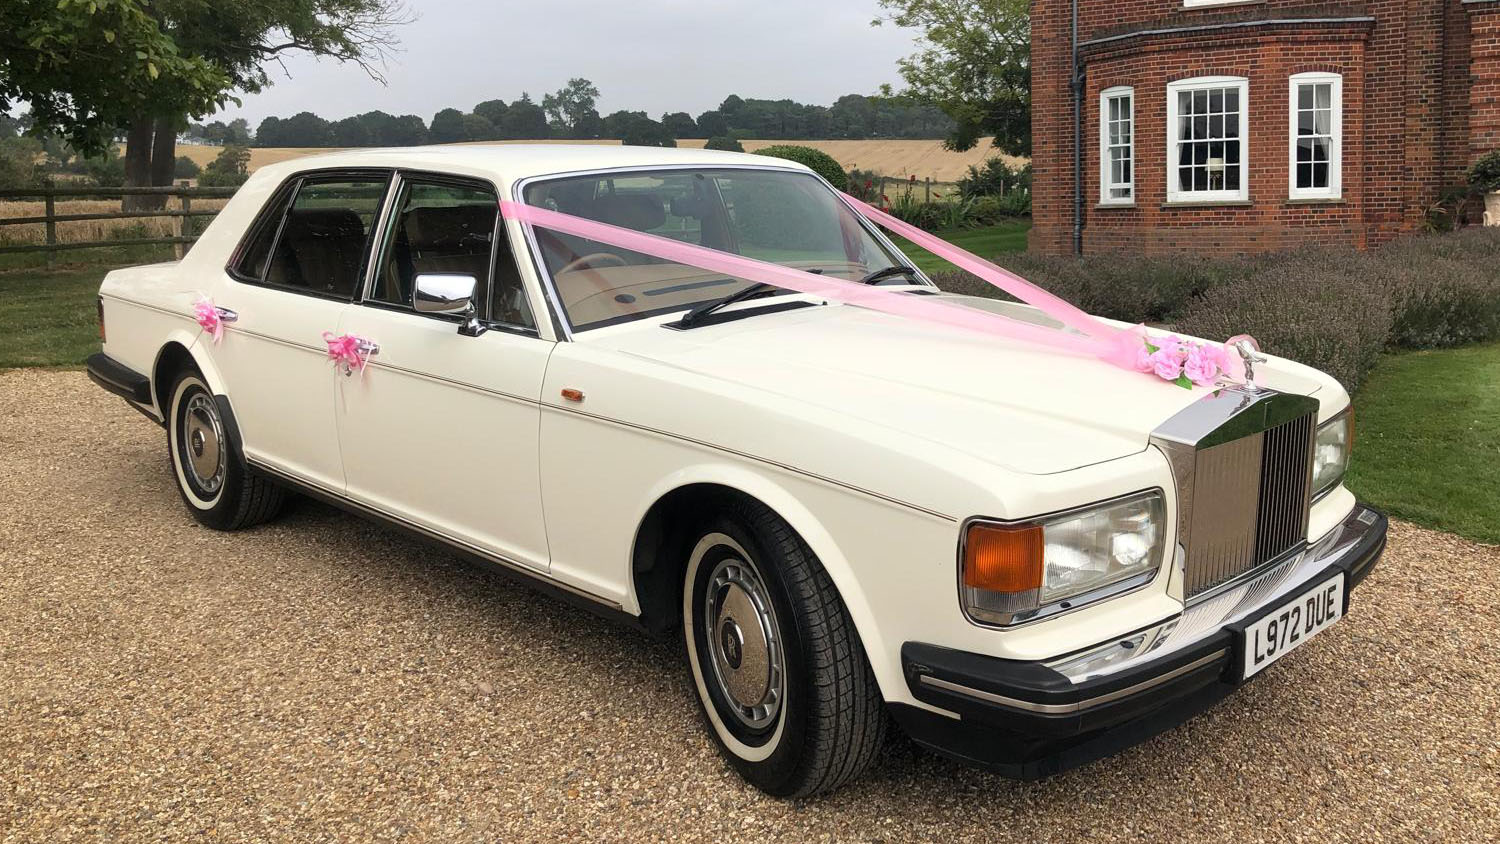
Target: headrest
(449, 226)
(639, 211)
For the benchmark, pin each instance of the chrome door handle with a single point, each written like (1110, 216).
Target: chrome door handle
(369, 347)
(226, 315)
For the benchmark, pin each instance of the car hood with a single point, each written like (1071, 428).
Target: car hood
(1009, 403)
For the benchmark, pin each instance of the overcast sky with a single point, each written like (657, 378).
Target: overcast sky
(651, 55)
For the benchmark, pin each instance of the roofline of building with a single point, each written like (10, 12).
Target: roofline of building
(1209, 27)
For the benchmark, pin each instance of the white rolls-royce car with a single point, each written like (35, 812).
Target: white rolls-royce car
(1026, 559)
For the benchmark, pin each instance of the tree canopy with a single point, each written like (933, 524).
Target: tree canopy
(973, 62)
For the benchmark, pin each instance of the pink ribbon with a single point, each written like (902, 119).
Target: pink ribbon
(208, 318)
(1128, 349)
(347, 349)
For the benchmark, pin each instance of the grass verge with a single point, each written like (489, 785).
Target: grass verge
(49, 318)
(986, 242)
(1427, 440)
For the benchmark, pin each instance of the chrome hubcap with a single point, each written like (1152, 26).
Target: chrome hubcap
(741, 635)
(202, 439)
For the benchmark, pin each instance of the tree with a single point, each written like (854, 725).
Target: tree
(237, 132)
(186, 168)
(447, 127)
(90, 68)
(229, 169)
(712, 124)
(642, 131)
(18, 161)
(305, 129)
(568, 107)
(974, 62)
(680, 124)
(524, 120)
(493, 111)
(350, 132)
(476, 128)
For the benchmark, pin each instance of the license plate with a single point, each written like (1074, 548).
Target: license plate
(1284, 629)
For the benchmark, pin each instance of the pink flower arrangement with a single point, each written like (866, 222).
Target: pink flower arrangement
(1183, 362)
(208, 318)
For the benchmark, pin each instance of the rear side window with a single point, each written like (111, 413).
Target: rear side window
(318, 243)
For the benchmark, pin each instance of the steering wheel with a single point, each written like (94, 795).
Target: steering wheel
(587, 261)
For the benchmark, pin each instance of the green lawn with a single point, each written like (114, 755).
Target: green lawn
(1427, 440)
(49, 318)
(986, 243)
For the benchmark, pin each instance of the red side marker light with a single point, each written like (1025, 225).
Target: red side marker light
(571, 394)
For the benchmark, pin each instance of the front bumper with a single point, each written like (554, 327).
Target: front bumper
(1033, 719)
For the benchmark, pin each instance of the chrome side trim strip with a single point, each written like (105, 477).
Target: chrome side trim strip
(1076, 706)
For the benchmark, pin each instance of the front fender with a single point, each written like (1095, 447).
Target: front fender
(778, 494)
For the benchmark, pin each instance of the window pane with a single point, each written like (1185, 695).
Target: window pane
(323, 242)
(1324, 96)
(1304, 123)
(1216, 100)
(1323, 124)
(1231, 125)
(438, 228)
(1304, 97)
(1320, 175)
(256, 253)
(1232, 152)
(1200, 102)
(1232, 99)
(1232, 178)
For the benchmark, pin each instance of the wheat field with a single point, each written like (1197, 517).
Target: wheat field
(87, 230)
(896, 158)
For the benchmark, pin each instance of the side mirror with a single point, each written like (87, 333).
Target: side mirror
(444, 293)
(448, 293)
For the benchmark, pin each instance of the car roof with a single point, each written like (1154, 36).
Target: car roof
(513, 162)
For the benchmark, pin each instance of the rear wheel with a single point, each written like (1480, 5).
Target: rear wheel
(220, 491)
(782, 678)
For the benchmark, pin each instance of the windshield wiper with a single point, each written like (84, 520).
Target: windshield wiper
(890, 272)
(759, 288)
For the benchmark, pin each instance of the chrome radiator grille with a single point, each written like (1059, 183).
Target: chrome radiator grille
(1243, 468)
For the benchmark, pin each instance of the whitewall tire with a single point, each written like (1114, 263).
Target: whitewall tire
(218, 489)
(779, 671)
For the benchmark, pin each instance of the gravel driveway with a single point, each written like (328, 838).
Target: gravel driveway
(320, 678)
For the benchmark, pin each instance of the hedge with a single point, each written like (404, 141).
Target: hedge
(1334, 309)
(821, 162)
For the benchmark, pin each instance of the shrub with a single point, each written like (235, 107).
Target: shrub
(1444, 289)
(1318, 307)
(18, 157)
(1484, 175)
(645, 132)
(821, 162)
(185, 168)
(995, 178)
(725, 143)
(107, 170)
(229, 169)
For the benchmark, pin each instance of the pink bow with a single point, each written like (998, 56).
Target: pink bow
(208, 318)
(348, 349)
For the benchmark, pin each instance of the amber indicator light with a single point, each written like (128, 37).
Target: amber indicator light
(1003, 558)
(571, 394)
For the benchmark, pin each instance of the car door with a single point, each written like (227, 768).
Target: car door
(290, 281)
(440, 427)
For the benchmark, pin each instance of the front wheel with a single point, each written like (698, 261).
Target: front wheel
(781, 675)
(220, 491)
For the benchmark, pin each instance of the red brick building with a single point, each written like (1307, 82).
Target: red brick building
(1228, 127)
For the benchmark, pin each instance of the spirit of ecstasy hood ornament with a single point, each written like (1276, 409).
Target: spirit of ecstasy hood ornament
(1248, 353)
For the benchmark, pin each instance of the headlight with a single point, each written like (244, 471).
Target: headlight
(1331, 451)
(1012, 571)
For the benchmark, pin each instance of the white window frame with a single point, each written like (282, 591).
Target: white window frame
(1193, 4)
(1336, 129)
(1190, 197)
(1105, 185)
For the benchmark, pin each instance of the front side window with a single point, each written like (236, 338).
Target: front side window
(1207, 148)
(449, 228)
(787, 217)
(318, 242)
(1117, 146)
(1316, 136)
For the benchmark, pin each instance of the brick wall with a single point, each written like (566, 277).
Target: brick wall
(1484, 87)
(1408, 104)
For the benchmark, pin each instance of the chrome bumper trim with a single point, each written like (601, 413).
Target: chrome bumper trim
(1078, 705)
(1208, 617)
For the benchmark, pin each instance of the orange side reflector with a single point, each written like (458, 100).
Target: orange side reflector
(1003, 558)
(571, 394)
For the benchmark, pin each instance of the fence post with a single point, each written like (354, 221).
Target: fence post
(927, 189)
(180, 226)
(51, 211)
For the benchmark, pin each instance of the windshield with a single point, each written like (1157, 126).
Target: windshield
(785, 217)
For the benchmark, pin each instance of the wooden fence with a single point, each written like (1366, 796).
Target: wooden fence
(49, 193)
